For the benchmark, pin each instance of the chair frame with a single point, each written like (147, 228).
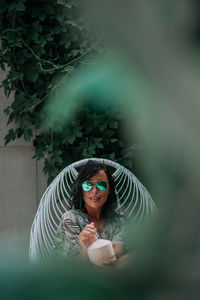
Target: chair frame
(133, 200)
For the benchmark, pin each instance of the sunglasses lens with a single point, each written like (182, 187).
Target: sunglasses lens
(102, 185)
(87, 185)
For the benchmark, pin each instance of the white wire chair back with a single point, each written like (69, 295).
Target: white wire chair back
(133, 200)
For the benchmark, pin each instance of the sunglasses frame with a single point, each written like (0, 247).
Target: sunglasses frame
(97, 183)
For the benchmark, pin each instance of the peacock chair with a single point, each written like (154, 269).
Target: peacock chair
(133, 200)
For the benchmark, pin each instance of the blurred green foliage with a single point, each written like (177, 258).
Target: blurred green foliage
(167, 265)
(42, 41)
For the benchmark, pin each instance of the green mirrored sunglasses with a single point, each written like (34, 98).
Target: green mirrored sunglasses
(88, 185)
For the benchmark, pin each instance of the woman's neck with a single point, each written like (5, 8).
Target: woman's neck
(94, 214)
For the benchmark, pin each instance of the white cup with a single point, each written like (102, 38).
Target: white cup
(100, 251)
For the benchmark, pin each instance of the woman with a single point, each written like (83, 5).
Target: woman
(93, 214)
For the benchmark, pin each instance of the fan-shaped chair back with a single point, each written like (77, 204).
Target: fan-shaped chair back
(133, 201)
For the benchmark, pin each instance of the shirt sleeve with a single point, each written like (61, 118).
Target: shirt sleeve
(120, 231)
(66, 242)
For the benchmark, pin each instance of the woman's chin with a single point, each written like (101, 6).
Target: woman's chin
(95, 204)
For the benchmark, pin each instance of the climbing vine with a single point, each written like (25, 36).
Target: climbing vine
(39, 41)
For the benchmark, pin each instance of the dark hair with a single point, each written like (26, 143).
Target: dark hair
(88, 171)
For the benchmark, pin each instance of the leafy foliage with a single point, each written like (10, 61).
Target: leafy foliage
(89, 135)
(41, 39)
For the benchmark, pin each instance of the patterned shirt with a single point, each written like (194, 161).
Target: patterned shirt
(66, 242)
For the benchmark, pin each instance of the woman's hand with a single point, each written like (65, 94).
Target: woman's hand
(88, 236)
(109, 261)
(118, 249)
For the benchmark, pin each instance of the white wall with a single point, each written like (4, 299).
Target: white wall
(21, 184)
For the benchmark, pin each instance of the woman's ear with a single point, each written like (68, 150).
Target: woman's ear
(113, 176)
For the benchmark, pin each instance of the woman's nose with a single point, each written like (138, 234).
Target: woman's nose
(95, 188)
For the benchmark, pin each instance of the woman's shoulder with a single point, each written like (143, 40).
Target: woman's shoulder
(72, 214)
(118, 218)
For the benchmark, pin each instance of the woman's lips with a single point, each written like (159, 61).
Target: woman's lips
(95, 199)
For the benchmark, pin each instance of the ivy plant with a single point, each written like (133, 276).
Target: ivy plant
(41, 39)
(88, 135)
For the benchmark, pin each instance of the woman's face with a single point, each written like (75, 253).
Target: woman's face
(95, 198)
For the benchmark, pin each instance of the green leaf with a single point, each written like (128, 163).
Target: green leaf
(11, 136)
(100, 146)
(71, 22)
(13, 75)
(16, 6)
(37, 27)
(34, 36)
(28, 134)
(19, 132)
(11, 116)
(71, 139)
(49, 9)
(56, 157)
(60, 18)
(32, 74)
(49, 148)
(67, 44)
(113, 124)
(68, 4)
(109, 133)
(111, 155)
(91, 150)
(77, 131)
(2, 66)
(102, 127)
(39, 13)
(113, 140)
(7, 110)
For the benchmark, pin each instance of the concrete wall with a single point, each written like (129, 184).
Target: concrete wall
(21, 185)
